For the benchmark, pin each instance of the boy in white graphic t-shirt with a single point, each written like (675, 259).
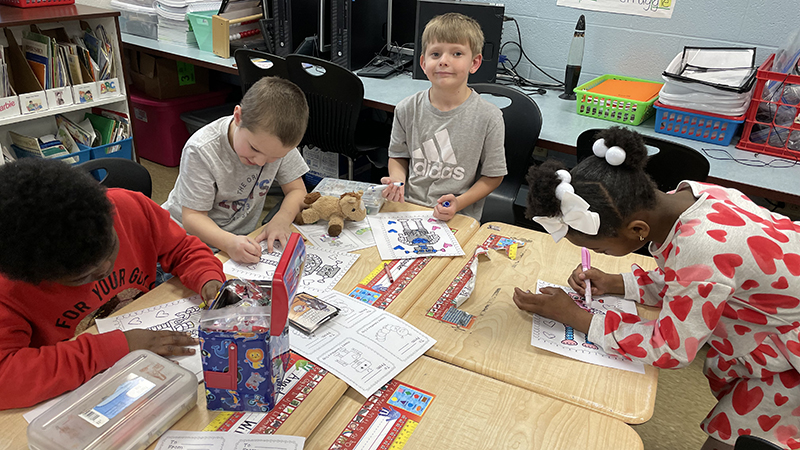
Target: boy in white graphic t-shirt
(447, 142)
(228, 166)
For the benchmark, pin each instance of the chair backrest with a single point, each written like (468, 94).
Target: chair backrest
(254, 65)
(673, 163)
(523, 122)
(747, 442)
(120, 173)
(334, 96)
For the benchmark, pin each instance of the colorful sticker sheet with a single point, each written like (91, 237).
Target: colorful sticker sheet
(386, 420)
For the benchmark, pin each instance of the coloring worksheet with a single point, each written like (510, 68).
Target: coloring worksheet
(217, 440)
(322, 271)
(180, 315)
(556, 337)
(403, 235)
(354, 236)
(363, 345)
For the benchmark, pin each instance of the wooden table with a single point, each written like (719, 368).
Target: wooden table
(472, 411)
(498, 344)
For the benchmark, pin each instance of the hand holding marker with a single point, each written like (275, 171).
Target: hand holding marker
(586, 262)
(380, 187)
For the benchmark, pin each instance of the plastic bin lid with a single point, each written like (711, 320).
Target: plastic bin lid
(202, 117)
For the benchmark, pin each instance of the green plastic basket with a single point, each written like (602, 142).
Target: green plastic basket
(200, 22)
(615, 109)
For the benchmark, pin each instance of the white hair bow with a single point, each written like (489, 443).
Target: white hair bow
(574, 212)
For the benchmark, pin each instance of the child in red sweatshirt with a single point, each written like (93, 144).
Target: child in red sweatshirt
(70, 252)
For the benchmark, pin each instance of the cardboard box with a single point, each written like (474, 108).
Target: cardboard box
(165, 78)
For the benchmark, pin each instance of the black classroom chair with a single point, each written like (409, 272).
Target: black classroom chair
(119, 173)
(254, 65)
(523, 122)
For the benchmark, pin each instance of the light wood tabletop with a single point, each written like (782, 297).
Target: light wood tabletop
(477, 412)
(499, 343)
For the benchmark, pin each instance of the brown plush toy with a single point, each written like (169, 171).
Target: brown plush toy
(333, 209)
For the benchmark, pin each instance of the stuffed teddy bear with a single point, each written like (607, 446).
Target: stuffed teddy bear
(333, 209)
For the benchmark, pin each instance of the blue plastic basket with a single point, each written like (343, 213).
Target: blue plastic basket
(119, 149)
(697, 125)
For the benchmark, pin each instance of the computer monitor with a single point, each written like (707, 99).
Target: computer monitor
(401, 25)
(488, 15)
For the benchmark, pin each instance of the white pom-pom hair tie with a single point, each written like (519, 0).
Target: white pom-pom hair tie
(574, 211)
(614, 155)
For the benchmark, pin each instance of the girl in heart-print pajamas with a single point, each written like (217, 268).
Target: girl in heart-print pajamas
(727, 275)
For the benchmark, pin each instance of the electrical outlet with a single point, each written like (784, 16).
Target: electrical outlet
(539, 152)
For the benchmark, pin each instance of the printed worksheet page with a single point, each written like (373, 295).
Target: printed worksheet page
(363, 345)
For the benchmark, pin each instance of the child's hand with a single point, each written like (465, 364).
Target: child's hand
(554, 303)
(602, 283)
(209, 290)
(394, 193)
(243, 250)
(163, 342)
(447, 207)
(276, 230)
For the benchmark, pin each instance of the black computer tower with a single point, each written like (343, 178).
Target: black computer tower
(358, 31)
(292, 22)
(488, 15)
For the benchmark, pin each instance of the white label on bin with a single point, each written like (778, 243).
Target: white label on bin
(125, 395)
(140, 114)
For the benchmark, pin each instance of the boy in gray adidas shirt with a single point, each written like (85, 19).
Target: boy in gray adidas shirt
(447, 142)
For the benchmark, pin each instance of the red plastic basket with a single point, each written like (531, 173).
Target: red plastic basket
(698, 125)
(769, 126)
(35, 3)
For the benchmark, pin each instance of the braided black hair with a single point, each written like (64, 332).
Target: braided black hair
(614, 192)
(55, 221)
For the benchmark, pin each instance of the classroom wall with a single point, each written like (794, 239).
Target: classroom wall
(639, 46)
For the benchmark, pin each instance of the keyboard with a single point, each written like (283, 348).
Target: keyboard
(385, 66)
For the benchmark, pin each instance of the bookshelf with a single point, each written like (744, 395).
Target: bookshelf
(68, 17)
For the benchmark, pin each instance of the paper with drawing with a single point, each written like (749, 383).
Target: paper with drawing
(322, 271)
(354, 236)
(180, 315)
(553, 336)
(363, 345)
(416, 234)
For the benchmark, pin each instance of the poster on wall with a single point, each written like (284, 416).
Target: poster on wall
(659, 9)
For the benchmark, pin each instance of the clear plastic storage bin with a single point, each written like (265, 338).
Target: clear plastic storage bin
(127, 407)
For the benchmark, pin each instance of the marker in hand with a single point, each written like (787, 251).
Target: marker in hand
(586, 262)
(446, 204)
(380, 187)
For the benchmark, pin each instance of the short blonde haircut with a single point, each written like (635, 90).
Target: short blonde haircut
(278, 107)
(454, 28)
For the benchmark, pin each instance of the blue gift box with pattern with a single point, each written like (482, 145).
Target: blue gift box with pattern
(246, 354)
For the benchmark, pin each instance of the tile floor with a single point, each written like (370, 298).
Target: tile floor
(682, 400)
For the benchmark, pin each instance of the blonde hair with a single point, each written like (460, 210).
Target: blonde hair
(454, 28)
(278, 107)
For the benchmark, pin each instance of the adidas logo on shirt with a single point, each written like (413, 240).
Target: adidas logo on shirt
(438, 163)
